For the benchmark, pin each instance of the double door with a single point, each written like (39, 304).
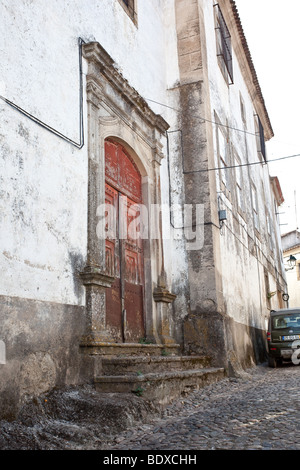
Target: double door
(124, 248)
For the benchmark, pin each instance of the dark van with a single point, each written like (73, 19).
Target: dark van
(283, 336)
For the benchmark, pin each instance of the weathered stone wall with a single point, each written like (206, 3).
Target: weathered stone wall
(231, 277)
(42, 349)
(233, 345)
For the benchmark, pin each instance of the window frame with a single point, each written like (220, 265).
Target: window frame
(298, 269)
(130, 7)
(238, 181)
(243, 111)
(267, 287)
(255, 206)
(223, 44)
(269, 231)
(223, 159)
(260, 138)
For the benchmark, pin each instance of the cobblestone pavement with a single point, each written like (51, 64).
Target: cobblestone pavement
(259, 411)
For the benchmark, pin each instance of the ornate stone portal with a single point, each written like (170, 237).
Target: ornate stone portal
(116, 111)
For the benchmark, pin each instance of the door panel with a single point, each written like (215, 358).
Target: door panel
(134, 320)
(112, 250)
(124, 257)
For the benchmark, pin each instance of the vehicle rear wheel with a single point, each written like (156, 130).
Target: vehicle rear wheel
(272, 362)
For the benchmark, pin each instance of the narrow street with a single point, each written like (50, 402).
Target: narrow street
(260, 411)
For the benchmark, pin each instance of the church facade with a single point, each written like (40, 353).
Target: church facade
(137, 210)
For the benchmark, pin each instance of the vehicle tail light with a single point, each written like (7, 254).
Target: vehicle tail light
(273, 349)
(268, 336)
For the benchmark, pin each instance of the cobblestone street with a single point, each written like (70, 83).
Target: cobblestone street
(260, 411)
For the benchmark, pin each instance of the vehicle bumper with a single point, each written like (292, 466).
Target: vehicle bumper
(281, 350)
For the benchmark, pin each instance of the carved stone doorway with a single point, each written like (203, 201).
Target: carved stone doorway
(125, 152)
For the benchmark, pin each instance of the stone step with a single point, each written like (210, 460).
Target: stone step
(163, 387)
(147, 364)
(129, 349)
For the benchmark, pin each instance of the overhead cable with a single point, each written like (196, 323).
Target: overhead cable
(79, 144)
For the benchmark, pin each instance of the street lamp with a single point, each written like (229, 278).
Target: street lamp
(291, 262)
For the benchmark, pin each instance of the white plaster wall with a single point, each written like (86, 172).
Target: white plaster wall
(43, 212)
(242, 274)
(293, 281)
(293, 289)
(44, 179)
(171, 168)
(41, 44)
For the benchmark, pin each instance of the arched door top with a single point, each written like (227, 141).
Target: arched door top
(121, 172)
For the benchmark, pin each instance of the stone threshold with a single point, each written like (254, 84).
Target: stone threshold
(144, 364)
(163, 387)
(128, 349)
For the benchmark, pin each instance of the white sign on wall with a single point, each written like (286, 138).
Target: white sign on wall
(2, 352)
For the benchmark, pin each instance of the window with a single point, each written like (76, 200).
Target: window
(270, 235)
(260, 138)
(222, 154)
(255, 207)
(130, 8)
(267, 287)
(298, 270)
(224, 48)
(239, 182)
(243, 111)
(286, 321)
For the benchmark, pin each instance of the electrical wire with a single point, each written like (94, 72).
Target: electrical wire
(185, 172)
(228, 167)
(245, 164)
(80, 144)
(49, 128)
(279, 275)
(204, 119)
(228, 127)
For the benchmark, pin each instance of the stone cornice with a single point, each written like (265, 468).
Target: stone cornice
(161, 294)
(92, 275)
(101, 64)
(277, 190)
(292, 250)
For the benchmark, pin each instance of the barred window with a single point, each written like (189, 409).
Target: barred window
(239, 182)
(270, 232)
(130, 8)
(243, 111)
(255, 207)
(222, 154)
(298, 270)
(224, 48)
(260, 138)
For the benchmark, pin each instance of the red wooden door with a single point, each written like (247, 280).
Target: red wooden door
(124, 251)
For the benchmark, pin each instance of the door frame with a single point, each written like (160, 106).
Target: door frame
(115, 110)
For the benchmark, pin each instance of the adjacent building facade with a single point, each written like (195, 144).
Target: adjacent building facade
(291, 257)
(136, 203)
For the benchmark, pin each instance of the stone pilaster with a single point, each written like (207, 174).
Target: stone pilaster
(95, 282)
(163, 299)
